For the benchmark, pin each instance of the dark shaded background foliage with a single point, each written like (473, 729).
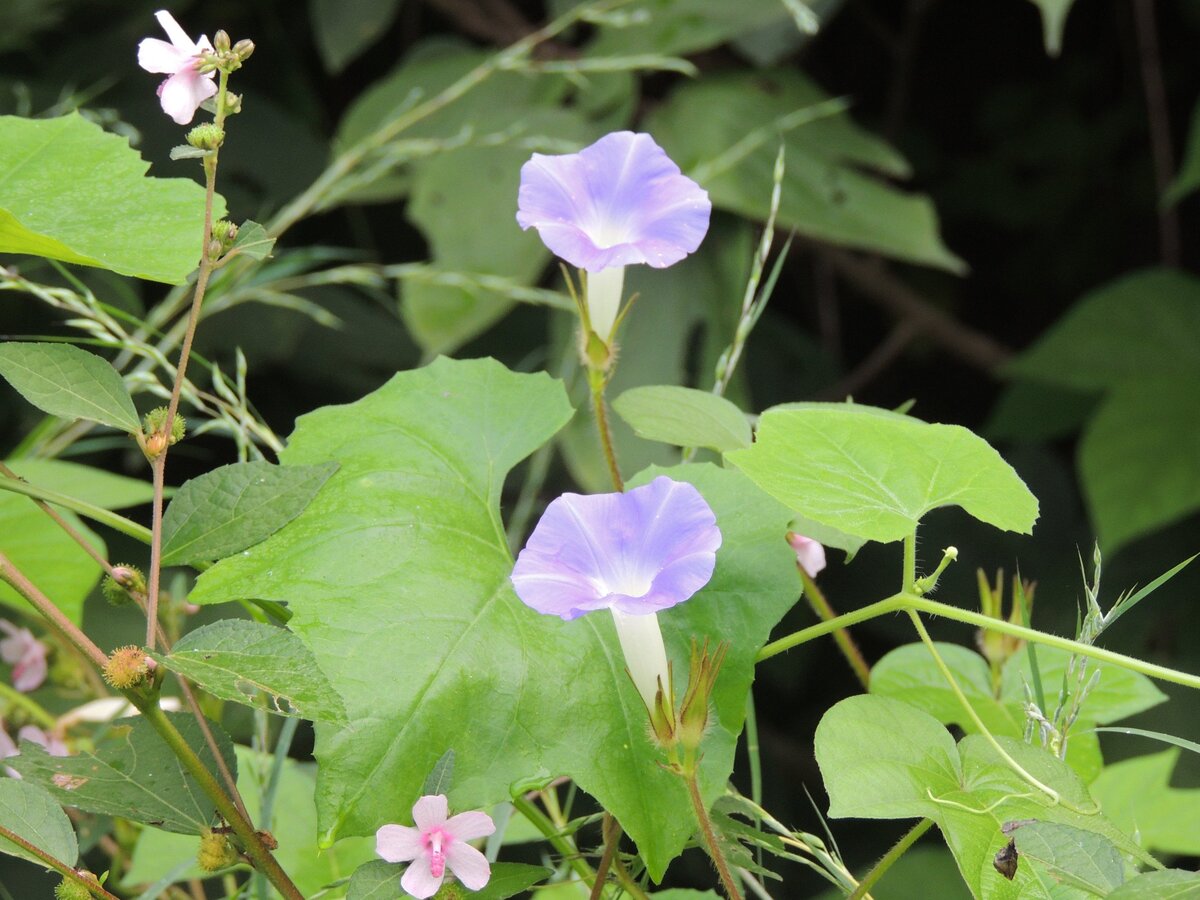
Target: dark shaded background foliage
(1039, 167)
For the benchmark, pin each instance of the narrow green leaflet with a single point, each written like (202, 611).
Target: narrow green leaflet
(258, 665)
(236, 506)
(293, 823)
(1144, 325)
(838, 183)
(1072, 856)
(32, 814)
(1169, 884)
(131, 773)
(67, 182)
(1137, 795)
(684, 417)
(406, 552)
(883, 759)
(91, 485)
(874, 474)
(65, 381)
(56, 565)
(379, 880)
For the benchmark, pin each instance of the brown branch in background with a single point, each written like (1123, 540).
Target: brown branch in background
(875, 363)
(881, 287)
(1159, 124)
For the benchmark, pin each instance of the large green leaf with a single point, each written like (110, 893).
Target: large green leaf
(65, 381)
(31, 813)
(1137, 795)
(405, 551)
(1169, 884)
(684, 417)
(1143, 325)
(884, 759)
(91, 485)
(293, 823)
(47, 555)
(248, 662)
(1072, 856)
(830, 189)
(1137, 459)
(234, 507)
(874, 474)
(74, 192)
(131, 773)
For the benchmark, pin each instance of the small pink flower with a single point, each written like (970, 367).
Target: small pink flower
(8, 747)
(186, 88)
(435, 844)
(26, 654)
(810, 554)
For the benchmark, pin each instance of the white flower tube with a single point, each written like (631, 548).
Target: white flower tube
(604, 299)
(645, 655)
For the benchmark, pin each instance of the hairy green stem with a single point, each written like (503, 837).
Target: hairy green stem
(910, 563)
(66, 629)
(898, 849)
(826, 613)
(597, 382)
(710, 836)
(242, 827)
(95, 513)
(93, 887)
(902, 602)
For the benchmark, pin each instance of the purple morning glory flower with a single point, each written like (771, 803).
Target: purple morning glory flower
(618, 202)
(633, 553)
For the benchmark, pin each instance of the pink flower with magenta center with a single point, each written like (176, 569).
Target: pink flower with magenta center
(182, 93)
(435, 844)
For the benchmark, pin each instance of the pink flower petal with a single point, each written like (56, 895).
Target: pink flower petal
(468, 865)
(159, 56)
(183, 92)
(418, 880)
(398, 843)
(469, 825)
(175, 32)
(430, 810)
(810, 554)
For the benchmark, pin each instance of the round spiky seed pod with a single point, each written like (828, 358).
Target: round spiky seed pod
(216, 852)
(127, 667)
(69, 889)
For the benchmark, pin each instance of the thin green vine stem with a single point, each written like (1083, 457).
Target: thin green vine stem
(910, 563)
(902, 602)
(597, 381)
(559, 841)
(1025, 775)
(88, 510)
(888, 859)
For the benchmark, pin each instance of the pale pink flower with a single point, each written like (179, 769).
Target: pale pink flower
(26, 654)
(186, 88)
(436, 843)
(8, 747)
(810, 554)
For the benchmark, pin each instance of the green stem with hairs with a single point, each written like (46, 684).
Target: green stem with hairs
(93, 887)
(898, 849)
(709, 835)
(904, 601)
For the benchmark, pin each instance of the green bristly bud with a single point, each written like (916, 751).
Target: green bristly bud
(68, 889)
(152, 425)
(224, 233)
(127, 667)
(207, 136)
(216, 852)
(124, 580)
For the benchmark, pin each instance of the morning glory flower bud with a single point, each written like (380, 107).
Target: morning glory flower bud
(618, 202)
(633, 554)
(182, 59)
(810, 554)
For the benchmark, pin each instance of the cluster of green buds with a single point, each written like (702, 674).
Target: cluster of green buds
(226, 56)
(224, 235)
(680, 730)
